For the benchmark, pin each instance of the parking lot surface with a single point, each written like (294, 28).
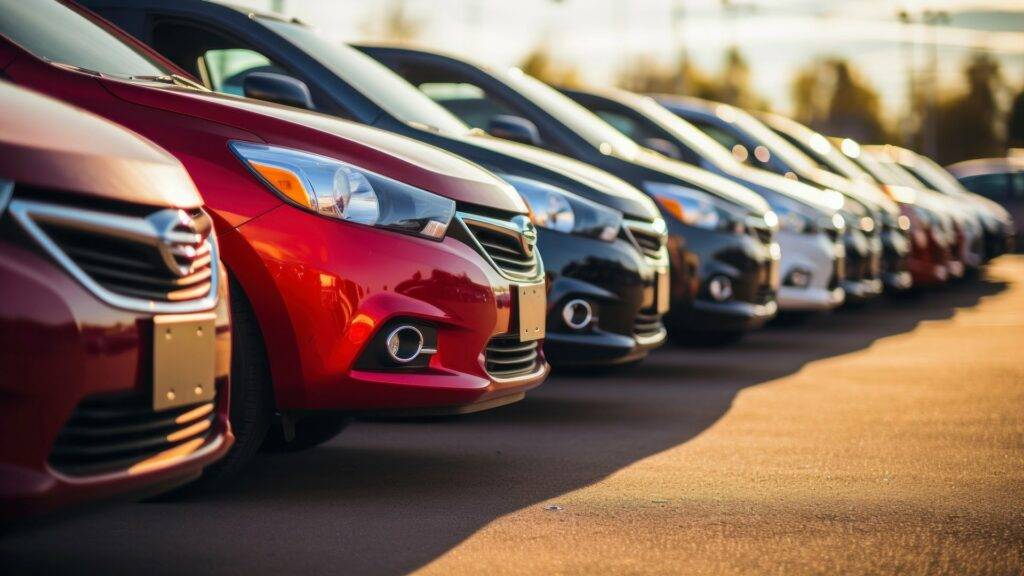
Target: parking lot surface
(889, 438)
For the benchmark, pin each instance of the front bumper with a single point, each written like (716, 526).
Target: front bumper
(62, 348)
(862, 280)
(618, 282)
(750, 263)
(323, 302)
(817, 258)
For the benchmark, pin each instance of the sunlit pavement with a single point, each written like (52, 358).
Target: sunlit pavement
(888, 439)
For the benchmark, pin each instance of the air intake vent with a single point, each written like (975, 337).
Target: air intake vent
(507, 357)
(511, 251)
(163, 262)
(649, 241)
(113, 433)
(647, 324)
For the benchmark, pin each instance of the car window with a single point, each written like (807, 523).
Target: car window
(727, 139)
(57, 33)
(994, 186)
(467, 101)
(648, 134)
(220, 60)
(226, 69)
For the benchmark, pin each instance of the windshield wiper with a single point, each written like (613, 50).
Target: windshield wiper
(175, 79)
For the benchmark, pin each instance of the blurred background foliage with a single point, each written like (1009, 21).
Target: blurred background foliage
(982, 116)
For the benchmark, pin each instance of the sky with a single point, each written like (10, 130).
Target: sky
(600, 37)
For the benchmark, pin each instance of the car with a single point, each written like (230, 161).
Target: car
(875, 246)
(371, 274)
(810, 224)
(1000, 180)
(933, 260)
(995, 220)
(602, 241)
(114, 326)
(722, 248)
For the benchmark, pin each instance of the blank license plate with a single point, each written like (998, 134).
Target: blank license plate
(533, 305)
(664, 294)
(184, 360)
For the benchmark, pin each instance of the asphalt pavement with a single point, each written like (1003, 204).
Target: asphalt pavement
(886, 439)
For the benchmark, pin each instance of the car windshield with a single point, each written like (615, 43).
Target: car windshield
(935, 176)
(777, 145)
(371, 78)
(583, 122)
(52, 31)
(687, 133)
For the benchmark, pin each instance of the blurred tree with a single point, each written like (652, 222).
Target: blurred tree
(732, 85)
(540, 64)
(972, 124)
(395, 24)
(833, 98)
(1015, 122)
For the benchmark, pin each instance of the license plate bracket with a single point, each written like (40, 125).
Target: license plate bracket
(184, 360)
(531, 300)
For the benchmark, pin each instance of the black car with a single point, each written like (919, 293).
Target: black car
(721, 235)
(602, 241)
(874, 231)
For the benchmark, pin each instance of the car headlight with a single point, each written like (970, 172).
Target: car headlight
(693, 207)
(562, 211)
(340, 190)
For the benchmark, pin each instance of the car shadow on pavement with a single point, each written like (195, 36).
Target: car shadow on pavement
(387, 498)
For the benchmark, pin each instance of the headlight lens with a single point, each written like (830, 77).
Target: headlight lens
(340, 190)
(560, 210)
(693, 207)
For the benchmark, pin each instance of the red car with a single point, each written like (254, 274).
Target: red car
(371, 273)
(935, 240)
(109, 278)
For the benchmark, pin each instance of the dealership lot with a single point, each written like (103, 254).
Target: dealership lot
(896, 443)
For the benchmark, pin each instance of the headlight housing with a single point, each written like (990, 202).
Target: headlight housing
(341, 190)
(794, 218)
(557, 209)
(694, 208)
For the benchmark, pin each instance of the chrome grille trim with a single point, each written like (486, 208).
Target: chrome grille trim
(644, 236)
(518, 259)
(180, 249)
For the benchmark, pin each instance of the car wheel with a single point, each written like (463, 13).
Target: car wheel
(310, 432)
(252, 396)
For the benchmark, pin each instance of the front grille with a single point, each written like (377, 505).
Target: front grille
(649, 241)
(506, 249)
(508, 357)
(112, 433)
(165, 261)
(765, 294)
(838, 273)
(647, 323)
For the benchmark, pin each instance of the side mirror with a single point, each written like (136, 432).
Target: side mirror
(663, 147)
(514, 128)
(277, 88)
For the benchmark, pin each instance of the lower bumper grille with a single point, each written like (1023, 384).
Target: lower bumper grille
(508, 357)
(112, 433)
(647, 323)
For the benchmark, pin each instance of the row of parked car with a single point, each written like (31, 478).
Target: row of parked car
(199, 202)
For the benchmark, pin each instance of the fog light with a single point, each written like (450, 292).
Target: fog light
(720, 288)
(404, 344)
(577, 314)
(799, 278)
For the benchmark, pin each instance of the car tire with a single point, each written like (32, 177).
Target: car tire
(310, 432)
(252, 397)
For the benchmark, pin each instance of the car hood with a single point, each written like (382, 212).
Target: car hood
(398, 157)
(603, 187)
(49, 144)
(709, 182)
(824, 200)
(864, 192)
